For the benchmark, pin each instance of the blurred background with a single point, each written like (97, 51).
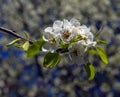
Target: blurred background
(23, 77)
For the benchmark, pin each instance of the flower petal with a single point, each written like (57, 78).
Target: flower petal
(49, 29)
(47, 47)
(47, 36)
(57, 24)
(66, 23)
(91, 44)
(74, 22)
(90, 36)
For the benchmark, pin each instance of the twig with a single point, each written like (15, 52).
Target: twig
(40, 72)
(14, 34)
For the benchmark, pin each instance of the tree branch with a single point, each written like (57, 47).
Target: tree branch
(40, 72)
(14, 34)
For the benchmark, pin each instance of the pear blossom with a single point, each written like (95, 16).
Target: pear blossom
(76, 53)
(76, 38)
(68, 33)
(52, 40)
(87, 36)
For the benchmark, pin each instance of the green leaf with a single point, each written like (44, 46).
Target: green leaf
(25, 46)
(89, 68)
(92, 51)
(63, 45)
(51, 59)
(26, 34)
(40, 43)
(18, 45)
(102, 54)
(76, 39)
(35, 48)
(101, 41)
(13, 42)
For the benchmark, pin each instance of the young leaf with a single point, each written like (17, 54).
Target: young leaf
(13, 42)
(102, 54)
(101, 41)
(51, 59)
(40, 43)
(35, 48)
(92, 51)
(26, 34)
(18, 45)
(63, 45)
(89, 68)
(25, 46)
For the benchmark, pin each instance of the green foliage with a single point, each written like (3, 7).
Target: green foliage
(35, 48)
(76, 39)
(25, 46)
(101, 41)
(92, 51)
(18, 45)
(63, 45)
(102, 54)
(26, 35)
(13, 42)
(51, 59)
(89, 68)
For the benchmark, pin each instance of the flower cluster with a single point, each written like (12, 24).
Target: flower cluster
(65, 39)
(70, 38)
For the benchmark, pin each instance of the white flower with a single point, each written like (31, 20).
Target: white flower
(52, 40)
(87, 36)
(69, 30)
(76, 53)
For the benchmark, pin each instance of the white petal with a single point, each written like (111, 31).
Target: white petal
(57, 30)
(57, 24)
(92, 44)
(47, 47)
(48, 29)
(90, 36)
(66, 23)
(83, 42)
(47, 36)
(45, 50)
(75, 22)
(84, 27)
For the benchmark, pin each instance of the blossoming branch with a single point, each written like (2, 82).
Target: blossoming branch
(65, 38)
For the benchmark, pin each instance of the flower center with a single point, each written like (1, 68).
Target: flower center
(52, 40)
(80, 37)
(75, 52)
(66, 34)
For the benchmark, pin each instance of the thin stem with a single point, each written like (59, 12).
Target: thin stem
(14, 34)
